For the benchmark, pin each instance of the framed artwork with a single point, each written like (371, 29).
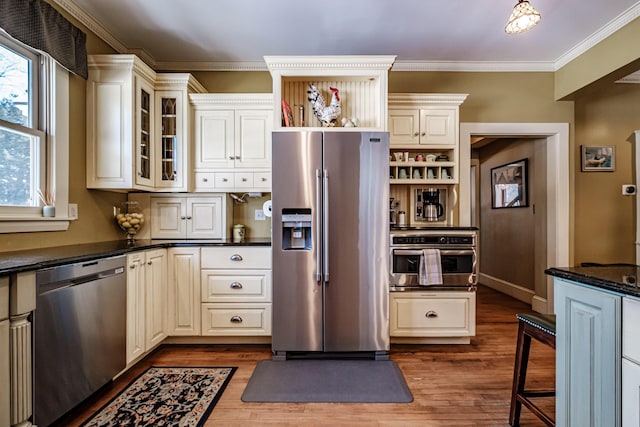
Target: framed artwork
(509, 185)
(599, 158)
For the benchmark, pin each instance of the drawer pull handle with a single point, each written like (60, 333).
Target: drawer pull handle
(230, 157)
(264, 179)
(236, 319)
(244, 179)
(430, 314)
(235, 257)
(224, 180)
(236, 285)
(205, 179)
(132, 266)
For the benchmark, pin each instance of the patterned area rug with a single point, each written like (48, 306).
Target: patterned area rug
(166, 396)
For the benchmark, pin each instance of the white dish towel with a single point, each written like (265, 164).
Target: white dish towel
(430, 272)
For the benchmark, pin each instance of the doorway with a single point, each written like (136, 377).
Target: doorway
(556, 138)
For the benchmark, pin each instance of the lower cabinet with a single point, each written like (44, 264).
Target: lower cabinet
(432, 317)
(146, 301)
(236, 291)
(630, 362)
(183, 311)
(5, 364)
(588, 355)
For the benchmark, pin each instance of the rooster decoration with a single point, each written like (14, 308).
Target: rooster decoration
(327, 114)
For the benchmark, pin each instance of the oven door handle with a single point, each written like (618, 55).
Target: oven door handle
(419, 252)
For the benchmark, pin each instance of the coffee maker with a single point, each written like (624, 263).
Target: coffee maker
(430, 204)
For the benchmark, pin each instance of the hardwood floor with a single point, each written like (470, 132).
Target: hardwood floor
(452, 385)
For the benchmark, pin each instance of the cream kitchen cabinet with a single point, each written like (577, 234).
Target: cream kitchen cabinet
(433, 317)
(232, 141)
(426, 125)
(5, 365)
(190, 217)
(138, 125)
(183, 311)
(236, 291)
(146, 301)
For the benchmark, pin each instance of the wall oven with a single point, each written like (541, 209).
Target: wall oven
(457, 254)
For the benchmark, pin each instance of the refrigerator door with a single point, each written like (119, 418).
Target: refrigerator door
(356, 293)
(297, 289)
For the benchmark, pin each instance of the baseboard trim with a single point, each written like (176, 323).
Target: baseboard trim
(540, 304)
(518, 292)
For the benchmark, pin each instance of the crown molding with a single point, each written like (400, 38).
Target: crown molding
(616, 24)
(631, 78)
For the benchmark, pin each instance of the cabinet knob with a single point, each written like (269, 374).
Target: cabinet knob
(424, 133)
(230, 157)
(416, 134)
(264, 179)
(224, 180)
(149, 262)
(236, 319)
(189, 217)
(132, 266)
(431, 314)
(205, 179)
(235, 257)
(183, 217)
(244, 179)
(237, 157)
(235, 285)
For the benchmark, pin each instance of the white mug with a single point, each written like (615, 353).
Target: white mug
(445, 174)
(430, 173)
(416, 174)
(402, 174)
(398, 156)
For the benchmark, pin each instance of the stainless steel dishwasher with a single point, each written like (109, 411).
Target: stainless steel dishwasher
(79, 334)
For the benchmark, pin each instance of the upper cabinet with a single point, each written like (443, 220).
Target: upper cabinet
(361, 81)
(232, 141)
(426, 128)
(138, 125)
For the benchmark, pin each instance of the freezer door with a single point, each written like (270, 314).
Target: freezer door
(297, 295)
(356, 293)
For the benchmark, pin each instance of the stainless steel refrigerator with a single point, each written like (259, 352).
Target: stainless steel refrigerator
(330, 237)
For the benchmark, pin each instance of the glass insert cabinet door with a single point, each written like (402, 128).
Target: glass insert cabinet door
(169, 149)
(144, 168)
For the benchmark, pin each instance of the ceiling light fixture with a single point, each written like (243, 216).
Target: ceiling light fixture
(523, 18)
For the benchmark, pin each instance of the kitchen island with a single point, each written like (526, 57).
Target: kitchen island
(597, 351)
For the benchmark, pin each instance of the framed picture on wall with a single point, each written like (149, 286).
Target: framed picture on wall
(598, 158)
(509, 185)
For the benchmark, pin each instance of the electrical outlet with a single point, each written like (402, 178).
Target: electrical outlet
(628, 189)
(73, 211)
(260, 215)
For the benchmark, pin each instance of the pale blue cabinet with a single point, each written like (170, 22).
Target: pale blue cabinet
(588, 356)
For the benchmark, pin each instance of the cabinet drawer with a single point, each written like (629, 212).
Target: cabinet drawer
(421, 315)
(236, 257)
(262, 180)
(205, 181)
(631, 329)
(229, 286)
(243, 179)
(224, 180)
(236, 319)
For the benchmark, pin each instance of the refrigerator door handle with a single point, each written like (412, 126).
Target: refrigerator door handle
(318, 228)
(325, 226)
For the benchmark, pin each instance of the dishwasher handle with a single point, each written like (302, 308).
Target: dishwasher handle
(44, 288)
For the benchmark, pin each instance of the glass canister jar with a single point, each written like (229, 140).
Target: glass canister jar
(129, 217)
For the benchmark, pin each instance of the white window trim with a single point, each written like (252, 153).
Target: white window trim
(57, 141)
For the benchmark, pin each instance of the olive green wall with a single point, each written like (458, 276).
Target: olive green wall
(604, 218)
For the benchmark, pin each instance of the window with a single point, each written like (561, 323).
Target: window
(33, 137)
(21, 136)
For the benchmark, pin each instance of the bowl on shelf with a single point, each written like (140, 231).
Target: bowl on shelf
(129, 218)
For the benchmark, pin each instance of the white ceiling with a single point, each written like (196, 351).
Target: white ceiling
(424, 34)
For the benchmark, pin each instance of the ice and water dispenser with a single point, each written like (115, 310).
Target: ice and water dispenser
(296, 229)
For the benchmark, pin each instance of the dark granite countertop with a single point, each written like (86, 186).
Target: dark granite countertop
(35, 259)
(622, 279)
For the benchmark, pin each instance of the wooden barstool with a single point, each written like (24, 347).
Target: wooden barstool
(543, 328)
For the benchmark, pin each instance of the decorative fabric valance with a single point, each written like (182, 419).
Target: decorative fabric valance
(37, 24)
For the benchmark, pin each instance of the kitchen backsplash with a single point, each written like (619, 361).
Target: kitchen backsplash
(245, 213)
